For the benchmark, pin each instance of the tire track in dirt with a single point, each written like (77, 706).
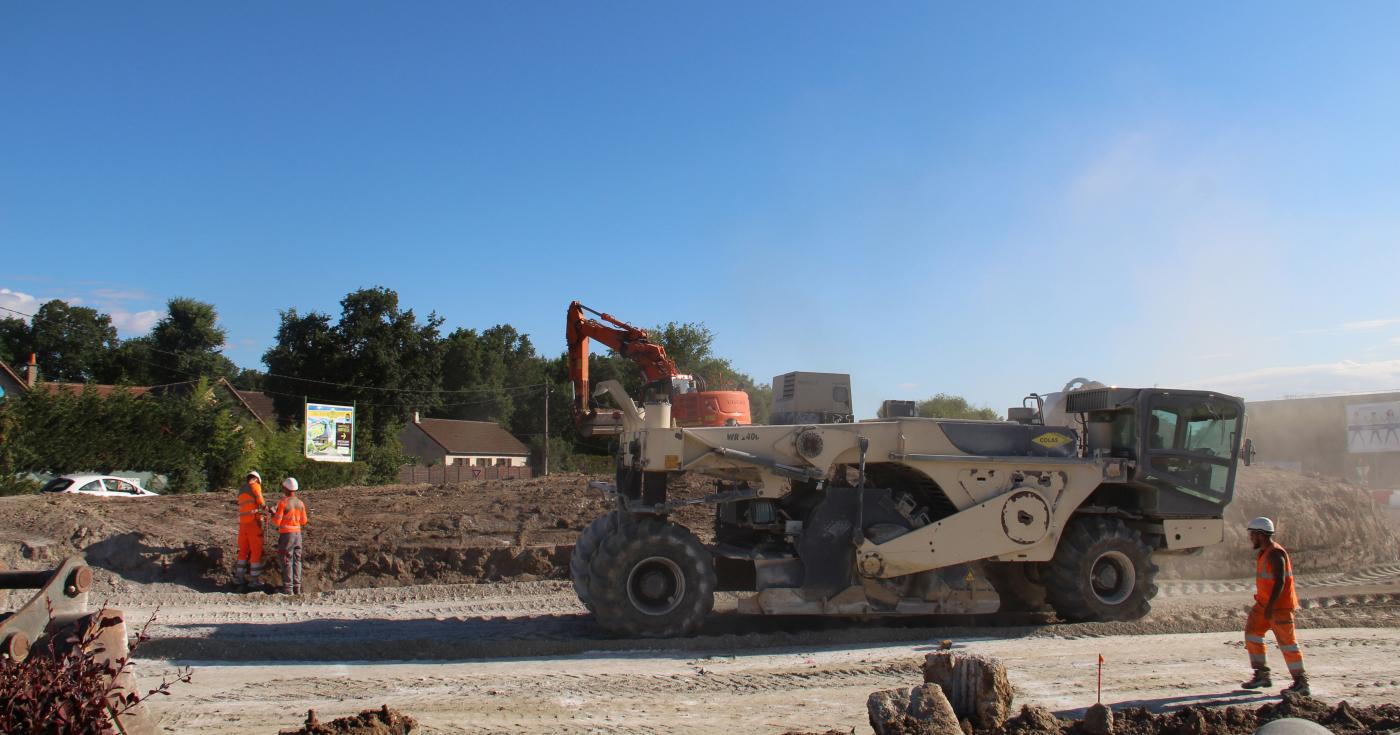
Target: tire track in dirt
(1375, 575)
(527, 635)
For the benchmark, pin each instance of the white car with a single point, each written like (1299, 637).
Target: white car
(101, 485)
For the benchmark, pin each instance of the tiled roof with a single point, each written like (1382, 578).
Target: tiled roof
(13, 375)
(472, 437)
(260, 404)
(102, 390)
(179, 389)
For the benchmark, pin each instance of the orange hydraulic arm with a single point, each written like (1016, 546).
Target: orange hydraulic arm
(627, 340)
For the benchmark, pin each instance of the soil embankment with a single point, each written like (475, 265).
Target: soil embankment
(521, 530)
(1326, 525)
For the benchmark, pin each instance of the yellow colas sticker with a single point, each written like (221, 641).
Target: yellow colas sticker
(1052, 440)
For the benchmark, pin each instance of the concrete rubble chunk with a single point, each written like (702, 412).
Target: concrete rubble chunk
(920, 710)
(1098, 720)
(976, 686)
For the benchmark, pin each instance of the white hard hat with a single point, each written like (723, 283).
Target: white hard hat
(291, 484)
(254, 473)
(1261, 524)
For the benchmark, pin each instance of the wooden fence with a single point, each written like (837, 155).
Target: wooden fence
(409, 474)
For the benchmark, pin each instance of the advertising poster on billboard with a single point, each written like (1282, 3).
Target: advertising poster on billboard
(1373, 427)
(330, 433)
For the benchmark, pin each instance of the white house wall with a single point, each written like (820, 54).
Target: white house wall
(491, 460)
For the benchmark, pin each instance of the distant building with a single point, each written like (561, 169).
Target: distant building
(12, 383)
(475, 443)
(1350, 437)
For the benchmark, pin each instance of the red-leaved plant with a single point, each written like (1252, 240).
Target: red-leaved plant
(61, 689)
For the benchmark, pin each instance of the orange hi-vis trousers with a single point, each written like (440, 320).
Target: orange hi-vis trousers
(1258, 625)
(250, 552)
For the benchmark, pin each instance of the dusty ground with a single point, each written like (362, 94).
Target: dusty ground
(812, 687)
(524, 658)
(448, 604)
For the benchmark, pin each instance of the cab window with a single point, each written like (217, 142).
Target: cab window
(92, 487)
(1190, 445)
(1198, 428)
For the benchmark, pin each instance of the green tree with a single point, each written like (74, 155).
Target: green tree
(188, 342)
(379, 356)
(946, 406)
(70, 343)
(476, 375)
(132, 362)
(384, 346)
(14, 341)
(248, 379)
(304, 353)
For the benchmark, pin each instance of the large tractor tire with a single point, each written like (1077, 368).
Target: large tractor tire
(1102, 570)
(650, 578)
(1019, 586)
(584, 549)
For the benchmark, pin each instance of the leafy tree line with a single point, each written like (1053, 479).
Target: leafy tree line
(946, 406)
(495, 374)
(78, 344)
(389, 361)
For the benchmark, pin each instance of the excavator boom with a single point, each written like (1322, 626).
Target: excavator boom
(691, 408)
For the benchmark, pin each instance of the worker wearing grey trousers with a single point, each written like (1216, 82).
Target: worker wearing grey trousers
(290, 518)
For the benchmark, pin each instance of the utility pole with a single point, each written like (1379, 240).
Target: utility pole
(546, 428)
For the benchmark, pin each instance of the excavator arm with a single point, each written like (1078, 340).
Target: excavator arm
(627, 340)
(690, 406)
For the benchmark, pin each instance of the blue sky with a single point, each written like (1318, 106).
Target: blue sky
(931, 197)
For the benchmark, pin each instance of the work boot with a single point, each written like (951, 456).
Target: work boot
(240, 587)
(1299, 686)
(1261, 679)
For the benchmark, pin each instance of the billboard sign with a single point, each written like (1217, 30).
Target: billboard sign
(1373, 427)
(330, 433)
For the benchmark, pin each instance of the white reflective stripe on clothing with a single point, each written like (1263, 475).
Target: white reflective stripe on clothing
(1290, 649)
(1254, 638)
(1295, 667)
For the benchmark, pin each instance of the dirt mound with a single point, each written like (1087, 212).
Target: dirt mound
(1341, 718)
(382, 721)
(1327, 525)
(393, 535)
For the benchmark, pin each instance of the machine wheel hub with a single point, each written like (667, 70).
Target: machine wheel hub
(656, 585)
(1112, 577)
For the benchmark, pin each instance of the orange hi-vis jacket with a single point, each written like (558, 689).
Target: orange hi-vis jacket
(290, 515)
(1265, 584)
(250, 502)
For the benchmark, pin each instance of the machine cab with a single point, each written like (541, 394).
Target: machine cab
(1186, 442)
(1192, 441)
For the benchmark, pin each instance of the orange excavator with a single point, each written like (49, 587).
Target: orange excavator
(691, 405)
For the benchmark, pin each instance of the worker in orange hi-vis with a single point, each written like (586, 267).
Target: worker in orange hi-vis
(247, 570)
(1275, 601)
(290, 518)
